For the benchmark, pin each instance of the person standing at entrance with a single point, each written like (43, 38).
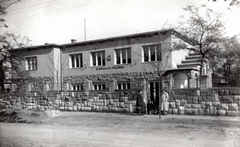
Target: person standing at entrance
(164, 103)
(140, 105)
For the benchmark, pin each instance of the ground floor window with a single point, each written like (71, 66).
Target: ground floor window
(77, 87)
(124, 85)
(99, 86)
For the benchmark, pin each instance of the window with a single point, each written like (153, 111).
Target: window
(77, 87)
(31, 63)
(124, 85)
(76, 61)
(123, 56)
(99, 87)
(152, 53)
(98, 58)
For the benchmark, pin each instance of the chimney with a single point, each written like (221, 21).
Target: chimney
(73, 40)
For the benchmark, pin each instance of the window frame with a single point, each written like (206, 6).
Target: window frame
(99, 86)
(122, 84)
(95, 58)
(122, 54)
(30, 64)
(151, 51)
(77, 87)
(73, 57)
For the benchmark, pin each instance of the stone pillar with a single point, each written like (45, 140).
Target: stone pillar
(112, 85)
(190, 83)
(87, 85)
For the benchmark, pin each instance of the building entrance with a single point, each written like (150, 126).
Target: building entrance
(154, 93)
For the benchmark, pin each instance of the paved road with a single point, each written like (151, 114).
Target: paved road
(123, 131)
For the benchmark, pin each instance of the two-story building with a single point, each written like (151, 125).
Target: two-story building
(117, 65)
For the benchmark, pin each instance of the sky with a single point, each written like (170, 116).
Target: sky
(59, 21)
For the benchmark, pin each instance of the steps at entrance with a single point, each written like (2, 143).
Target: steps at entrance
(187, 65)
(193, 57)
(191, 61)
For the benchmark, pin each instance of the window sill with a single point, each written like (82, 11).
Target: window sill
(122, 64)
(77, 68)
(151, 62)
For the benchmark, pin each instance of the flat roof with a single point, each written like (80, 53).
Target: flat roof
(121, 37)
(47, 45)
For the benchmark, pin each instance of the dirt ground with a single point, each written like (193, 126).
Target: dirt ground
(97, 129)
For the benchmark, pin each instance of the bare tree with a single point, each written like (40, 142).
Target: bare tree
(204, 30)
(57, 68)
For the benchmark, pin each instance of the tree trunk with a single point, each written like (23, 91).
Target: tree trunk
(2, 86)
(2, 76)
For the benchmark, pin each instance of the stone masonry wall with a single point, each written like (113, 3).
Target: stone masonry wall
(121, 101)
(214, 101)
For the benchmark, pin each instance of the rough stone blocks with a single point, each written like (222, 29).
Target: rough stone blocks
(86, 108)
(75, 108)
(221, 112)
(175, 111)
(226, 99)
(216, 98)
(187, 105)
(195, 100)
(177, 103)
(224, 106)
(208, 104)
(233, 106)
(207, 111)
(232, 113)
(201, 111)
(188, 111)
(181, 110)
(172, 105)
(212, 111)
(203, 105)
(196, 106)
(183, 102)
(194, 111)
(236, 98)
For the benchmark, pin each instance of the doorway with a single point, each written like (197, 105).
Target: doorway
(154, 93)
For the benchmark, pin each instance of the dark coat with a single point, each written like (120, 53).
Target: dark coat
(140, 102)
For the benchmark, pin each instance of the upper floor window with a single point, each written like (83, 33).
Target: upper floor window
(31, 63)
(152, 53)
(76, 61)
(98, 58)
(123, 56)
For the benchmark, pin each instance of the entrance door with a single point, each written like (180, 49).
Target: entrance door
(154, 93)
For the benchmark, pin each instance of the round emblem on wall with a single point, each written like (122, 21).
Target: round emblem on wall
(108, 58)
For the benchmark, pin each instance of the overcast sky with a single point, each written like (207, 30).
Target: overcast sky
(58, 21)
